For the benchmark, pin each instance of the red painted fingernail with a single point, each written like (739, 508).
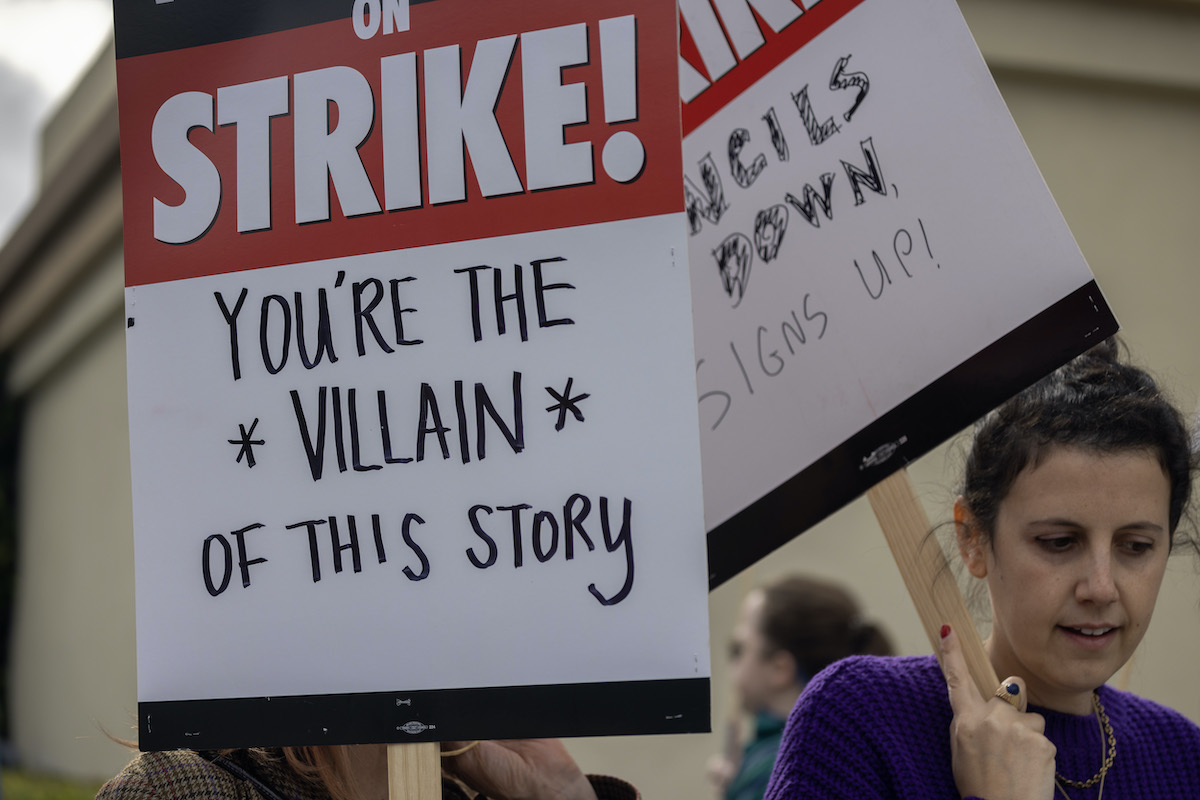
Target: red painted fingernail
(945, 631)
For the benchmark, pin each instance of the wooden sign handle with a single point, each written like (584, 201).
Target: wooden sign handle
(414, 771)
(926, 573)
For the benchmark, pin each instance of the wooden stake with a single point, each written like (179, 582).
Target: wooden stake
(414, 771)
(928, 577)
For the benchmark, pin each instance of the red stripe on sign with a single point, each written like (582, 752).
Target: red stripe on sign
(206, 153)
(777, 47)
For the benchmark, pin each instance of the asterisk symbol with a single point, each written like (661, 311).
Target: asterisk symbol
(566, 403)
(247, 443)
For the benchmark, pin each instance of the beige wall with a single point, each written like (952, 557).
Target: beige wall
(74, 667)
(1108, 97)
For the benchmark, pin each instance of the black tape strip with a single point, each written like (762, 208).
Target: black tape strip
(142, 27)
(515, 712)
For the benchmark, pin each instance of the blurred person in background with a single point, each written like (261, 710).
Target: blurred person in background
(787, 632)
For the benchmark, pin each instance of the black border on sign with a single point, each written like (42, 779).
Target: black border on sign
(919, 424)
(156, 26)
(510, 712)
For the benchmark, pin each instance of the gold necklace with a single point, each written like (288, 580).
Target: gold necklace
(1099, 795)
(1106, 732)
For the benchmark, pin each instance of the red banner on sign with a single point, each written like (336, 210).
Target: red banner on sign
(186, 113)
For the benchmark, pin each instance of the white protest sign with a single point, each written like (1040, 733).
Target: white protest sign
(411, 384)
(876, 260)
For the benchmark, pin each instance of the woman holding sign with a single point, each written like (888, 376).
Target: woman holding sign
(1071, 503)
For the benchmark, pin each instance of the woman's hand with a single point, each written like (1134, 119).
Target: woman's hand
(520, 769)
(720, 771)
(998, 752)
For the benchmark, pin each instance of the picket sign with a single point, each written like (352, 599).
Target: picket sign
(368, 375)
(927, 574)
(414, 771)
(838, 327)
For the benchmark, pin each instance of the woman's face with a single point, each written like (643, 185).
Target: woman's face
(1073, 569)
(755, 665)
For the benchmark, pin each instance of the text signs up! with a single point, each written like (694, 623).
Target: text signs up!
(876, 260)
(411, 380)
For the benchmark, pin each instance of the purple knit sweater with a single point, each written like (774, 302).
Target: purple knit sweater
(871, 728)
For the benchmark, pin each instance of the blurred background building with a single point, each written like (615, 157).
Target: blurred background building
(1107, 95)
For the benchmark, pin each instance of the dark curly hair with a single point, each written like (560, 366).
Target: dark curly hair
(1098, 402)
